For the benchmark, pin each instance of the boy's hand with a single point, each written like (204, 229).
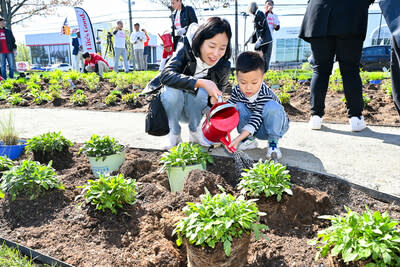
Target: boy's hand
(235, 143)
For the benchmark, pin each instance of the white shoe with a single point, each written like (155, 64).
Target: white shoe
(315, 122)
(274, 153)
(249, 143)
(198, 138)
(173, 140)
(357, 124)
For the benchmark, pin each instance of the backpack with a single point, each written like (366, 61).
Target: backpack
(156, 118)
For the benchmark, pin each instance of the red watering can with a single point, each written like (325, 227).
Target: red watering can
(221, 120)
(167, 39)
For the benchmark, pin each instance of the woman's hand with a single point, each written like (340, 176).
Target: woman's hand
(210, 87)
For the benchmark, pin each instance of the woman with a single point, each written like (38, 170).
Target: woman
(336, 28)
(198, 68)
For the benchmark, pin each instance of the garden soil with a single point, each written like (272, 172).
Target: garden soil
(379, 111)
(141, 235)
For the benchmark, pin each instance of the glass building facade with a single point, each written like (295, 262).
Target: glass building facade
(291, 50)
(50, 54)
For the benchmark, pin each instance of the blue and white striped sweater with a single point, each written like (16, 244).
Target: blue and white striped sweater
(264, 95)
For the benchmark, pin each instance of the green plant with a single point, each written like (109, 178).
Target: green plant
(272, 77)
(267, 178)
(40, 97)
(360, 237)
(8, 134)
(386, 86)
(141, 78)
(376, 75)
(8, 84)
(73, 75)
(32, 86)
(110, 100)
(56, 75)
(116, 92)
(21, 81)
(15, 99)
(185, 154)
(55, 91)
(4, 94)
(78, 98)
(110, 192)
(284, 97)
(130, 98)
(122, 80)
(12, 257)
(48, 143)
(335, 81)
(91, 80)
(30, 178)
(100, 147)
(218, 218)
(5, 163)
(366, 100)
(289, 85)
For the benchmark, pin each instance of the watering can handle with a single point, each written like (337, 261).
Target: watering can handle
(219, 108)
(227, 143)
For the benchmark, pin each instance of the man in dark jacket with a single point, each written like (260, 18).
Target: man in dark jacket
(181, 18)
(390, 10)
(77, 50)
(262, 35)
(336, 28)
(7, 47)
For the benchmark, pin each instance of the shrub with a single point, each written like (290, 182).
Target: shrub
(15, 99)
(363, 236)
(48, 143)
(5, 163)
(101, 146)
(185, 154)
(218, 218)
(110, 192)
(284, 97)
(130, 98)
(29, 179)
(110, 100)
(78, 98)
(265, 178)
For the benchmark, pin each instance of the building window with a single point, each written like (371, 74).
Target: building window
(50, 54)
(381, 36)
(292, 50)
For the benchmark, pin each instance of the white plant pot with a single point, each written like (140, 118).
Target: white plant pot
(177, 176)
(109, 164)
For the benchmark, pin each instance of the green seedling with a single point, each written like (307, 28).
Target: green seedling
(48, 143)
(100, 147)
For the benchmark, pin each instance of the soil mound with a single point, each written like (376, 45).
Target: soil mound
(136, 168)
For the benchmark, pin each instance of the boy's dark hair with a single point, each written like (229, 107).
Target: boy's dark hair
(249, 61)
(86, 55)
(208, 30)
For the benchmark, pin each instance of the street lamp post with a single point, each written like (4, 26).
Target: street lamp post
(245, 15)
(131, 28)
(236, 30)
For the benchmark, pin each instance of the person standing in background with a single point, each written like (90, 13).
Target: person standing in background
(390, 10)
(336, 28)
(137, 39)
(147, 49)
(77, 50)
(120, 47)
(7, 47)
(181, 18)
(273, 24)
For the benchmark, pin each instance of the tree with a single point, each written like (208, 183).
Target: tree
(22, 53)
(15, 11)
(197, 4)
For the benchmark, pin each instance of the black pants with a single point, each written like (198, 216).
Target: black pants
(395, 68)
(348, 53)
(266, 51)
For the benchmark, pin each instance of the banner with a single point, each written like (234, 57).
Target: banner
(86, 30)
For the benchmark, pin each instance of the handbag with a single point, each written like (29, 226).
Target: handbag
(156, 118)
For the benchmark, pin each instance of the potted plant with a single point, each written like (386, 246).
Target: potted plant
(50, 146)
(265, 179)
(182, 159)
(217, 230)
(105, 154)
(372, 239)
(10, 145)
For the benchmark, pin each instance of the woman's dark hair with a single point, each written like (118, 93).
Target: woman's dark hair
(249, 61)
(208, 30)
(85, 55)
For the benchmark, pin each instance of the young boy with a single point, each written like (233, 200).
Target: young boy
(261, 114)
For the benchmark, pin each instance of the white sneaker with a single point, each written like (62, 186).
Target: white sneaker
(173, 140)
(198, 138)
(249, 143)
(274, 153)
(357, 124)
(315, 122)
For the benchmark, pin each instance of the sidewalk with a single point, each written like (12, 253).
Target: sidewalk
(370, 158)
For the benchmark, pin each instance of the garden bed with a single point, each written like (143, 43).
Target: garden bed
(140, 235)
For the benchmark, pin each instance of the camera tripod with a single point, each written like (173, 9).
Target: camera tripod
(110, 45)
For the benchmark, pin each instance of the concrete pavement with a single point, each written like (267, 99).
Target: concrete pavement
(370, 158)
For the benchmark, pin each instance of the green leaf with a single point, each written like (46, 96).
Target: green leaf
(227, 248)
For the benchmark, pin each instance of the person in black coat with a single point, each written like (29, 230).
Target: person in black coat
(261, 35)
(181, 18)
(336, 28)
(7, 47)
(199, 68)
(390, 10)
(77, 51)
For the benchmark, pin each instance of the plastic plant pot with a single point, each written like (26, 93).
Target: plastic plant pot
(12, 151)
(375, 81)
(177, 176)
(275, 86)
(108, 165)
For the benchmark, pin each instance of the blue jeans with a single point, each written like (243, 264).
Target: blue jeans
(275, 121)
(183, 106)
(10, 58)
